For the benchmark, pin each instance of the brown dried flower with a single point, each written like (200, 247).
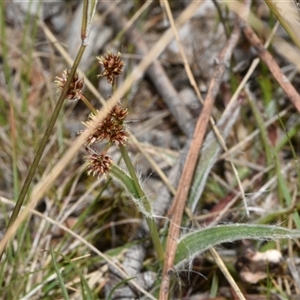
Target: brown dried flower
(112, 128)
(112, 65)
(75, 86)
(98, 164)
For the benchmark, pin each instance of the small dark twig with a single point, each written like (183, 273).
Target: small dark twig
(269, 60)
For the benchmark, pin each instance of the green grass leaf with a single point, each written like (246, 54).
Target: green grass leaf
(59, 277)
(197, 242)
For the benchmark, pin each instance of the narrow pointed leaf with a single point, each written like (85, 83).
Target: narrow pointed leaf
(199, 241)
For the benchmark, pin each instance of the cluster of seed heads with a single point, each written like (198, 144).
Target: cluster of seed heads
(112, 129)
(112, 64)
(76, 85)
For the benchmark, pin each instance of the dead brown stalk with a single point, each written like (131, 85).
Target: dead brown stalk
(192, 157)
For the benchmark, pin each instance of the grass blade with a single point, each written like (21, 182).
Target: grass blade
(197, 242)
(59, 277)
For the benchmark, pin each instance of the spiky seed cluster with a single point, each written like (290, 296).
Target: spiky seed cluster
(98, 164)
(75, 86)
(112, 65)
(112, 128)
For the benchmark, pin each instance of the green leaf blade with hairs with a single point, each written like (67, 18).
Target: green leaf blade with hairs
(199, 241)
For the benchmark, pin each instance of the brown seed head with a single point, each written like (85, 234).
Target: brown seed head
(112, 128)
(112, 65)
(98, 164)
(75, 86)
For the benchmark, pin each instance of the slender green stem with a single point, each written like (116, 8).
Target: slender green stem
(84, 21)
(155, 238)
(146, 204)
(88, 12)
(89, 8)
(59, 276)
(140, 196)
(88, 104)
(43, 143)
(114, 86)
(132, 173)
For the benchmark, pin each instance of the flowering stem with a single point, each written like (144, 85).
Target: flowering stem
(43, 144)
(114, 87)
(113, 66)
(146, 204)
(88, 104)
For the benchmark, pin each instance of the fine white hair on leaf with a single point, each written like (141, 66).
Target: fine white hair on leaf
(195, 243)
(141, 208)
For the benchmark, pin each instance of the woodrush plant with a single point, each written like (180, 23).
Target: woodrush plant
(112, 130)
